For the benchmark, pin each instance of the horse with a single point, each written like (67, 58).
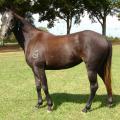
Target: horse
(45, 51)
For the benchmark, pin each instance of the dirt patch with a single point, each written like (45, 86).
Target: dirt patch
(10, 48)
(116, 43)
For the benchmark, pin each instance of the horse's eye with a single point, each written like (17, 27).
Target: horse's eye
(7, 22)
(12, 20)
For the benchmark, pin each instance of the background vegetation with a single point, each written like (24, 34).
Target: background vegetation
(68, 10)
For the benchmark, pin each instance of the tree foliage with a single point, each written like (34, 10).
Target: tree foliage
(43, 7)
(99, 9)
(20, 6)
(118, 9)
(68, 10)
(64, 9)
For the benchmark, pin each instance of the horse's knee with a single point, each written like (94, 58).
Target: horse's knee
(45, 88)
(92, 75)
(94, 87)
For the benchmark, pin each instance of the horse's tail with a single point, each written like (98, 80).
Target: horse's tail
(107, 69)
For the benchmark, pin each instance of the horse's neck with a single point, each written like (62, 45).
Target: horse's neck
(21, 28)
(19, 36)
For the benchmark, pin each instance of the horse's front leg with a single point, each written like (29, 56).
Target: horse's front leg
(41, 78)
(92, 75)
(45, 88)
(38, 86)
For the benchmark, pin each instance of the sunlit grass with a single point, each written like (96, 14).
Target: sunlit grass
(69, 90)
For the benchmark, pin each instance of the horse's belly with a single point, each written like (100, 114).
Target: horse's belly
(62, 63)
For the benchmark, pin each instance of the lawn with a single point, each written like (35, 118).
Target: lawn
(69, 90)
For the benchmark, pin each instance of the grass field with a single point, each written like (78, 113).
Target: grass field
(69, 90)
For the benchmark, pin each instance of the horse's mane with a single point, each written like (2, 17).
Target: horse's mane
(24, 21)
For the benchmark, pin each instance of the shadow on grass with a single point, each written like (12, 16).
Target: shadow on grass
(60, 98)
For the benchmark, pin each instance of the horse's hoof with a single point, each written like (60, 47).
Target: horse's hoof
(84, 110)
(110, 105)
(38, 105)
(50, 108)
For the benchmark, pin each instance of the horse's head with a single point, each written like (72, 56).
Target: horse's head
(7, 23)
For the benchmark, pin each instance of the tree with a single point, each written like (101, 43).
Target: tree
(99, 9)
(117, 9)
(67, 10)
(64, 9)
(22, 7)
(43, 8)
(48, 10)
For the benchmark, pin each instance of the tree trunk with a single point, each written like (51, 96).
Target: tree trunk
(68, 29)
(104, 26)
(69, 24)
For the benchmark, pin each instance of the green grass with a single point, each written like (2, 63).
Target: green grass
(69, 90)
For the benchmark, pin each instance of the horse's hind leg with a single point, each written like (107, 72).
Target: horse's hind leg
(108, 85)
(92, 75)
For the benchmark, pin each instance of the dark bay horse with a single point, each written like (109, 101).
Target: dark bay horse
(45, 51)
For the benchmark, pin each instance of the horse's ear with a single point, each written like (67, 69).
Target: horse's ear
(7, 9)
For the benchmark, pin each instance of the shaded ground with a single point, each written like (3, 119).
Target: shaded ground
(10, 48)
(116, 42)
